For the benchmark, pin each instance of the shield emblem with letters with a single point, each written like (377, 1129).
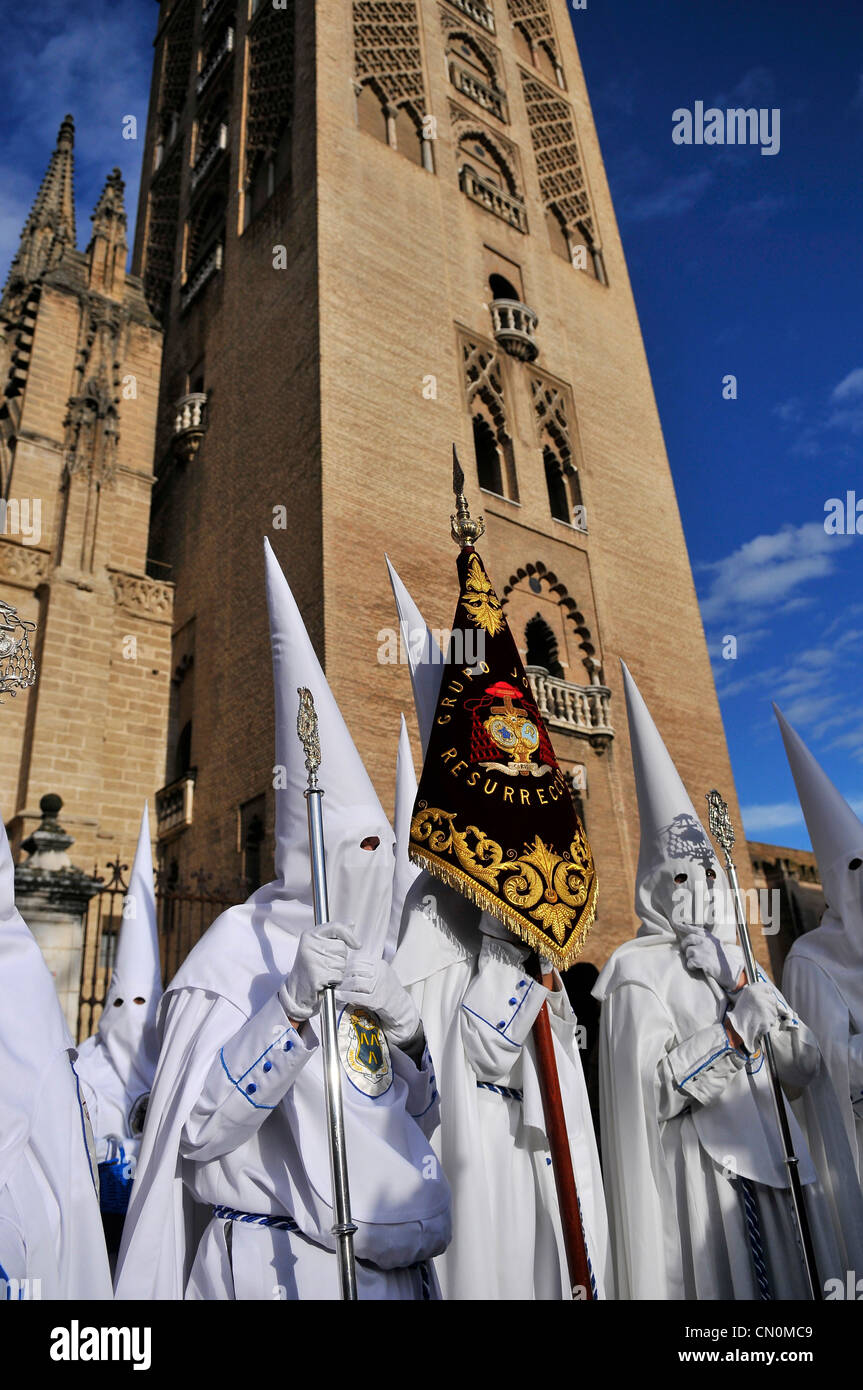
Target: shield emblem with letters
(364, 1051)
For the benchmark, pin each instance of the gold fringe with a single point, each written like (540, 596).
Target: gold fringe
(524, 929)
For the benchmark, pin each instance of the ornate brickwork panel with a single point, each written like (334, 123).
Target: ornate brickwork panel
(561, 176)
(162, 231)
(534, 18)
(22, 564)
(271, 82)
(551, 412)
(147, 598)
(483, 378)
(387, 50)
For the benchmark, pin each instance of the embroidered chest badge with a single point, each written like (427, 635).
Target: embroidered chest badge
(364, 1051)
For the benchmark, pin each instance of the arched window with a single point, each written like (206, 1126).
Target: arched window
(485, 159)
(371, 113)
(523, 45)
(558, 496)
(571, 243)
(557, 235)
(409, 139)
(488, 469)
(501, 288)
(470, 55)
(545, 61)
(542, 647)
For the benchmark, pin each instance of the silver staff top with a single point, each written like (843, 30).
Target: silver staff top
(720, 822)
(307, 729)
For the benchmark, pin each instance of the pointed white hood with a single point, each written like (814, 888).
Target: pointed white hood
(405, 872)
(251, 946)
(425, 660)
(673, 840)
(127, 1027)
(32, 1028)
(673, 843)
(836, 834)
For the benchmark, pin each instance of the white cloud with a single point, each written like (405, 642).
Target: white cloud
(675, 196)
(771, 816)
(764, 572)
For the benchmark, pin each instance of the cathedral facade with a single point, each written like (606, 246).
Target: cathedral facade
(365, 231)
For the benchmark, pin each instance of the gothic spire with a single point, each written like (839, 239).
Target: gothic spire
(106, 253)
(50, 228)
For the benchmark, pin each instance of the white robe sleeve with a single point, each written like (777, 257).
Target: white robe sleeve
(498, 1010)
(697, 1069)
(423, 1101)
(246, 1081)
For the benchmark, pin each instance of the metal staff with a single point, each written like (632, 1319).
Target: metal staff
(723, 833)
(344, 1228)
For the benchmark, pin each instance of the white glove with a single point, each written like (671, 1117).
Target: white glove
(757, 1008)
(375, 984)
(321, 959)
(702, 951)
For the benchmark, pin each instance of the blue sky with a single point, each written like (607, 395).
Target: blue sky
(750, 264)
(741, 263)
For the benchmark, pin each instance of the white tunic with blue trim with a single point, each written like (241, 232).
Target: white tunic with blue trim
(478, 1008)
(253, 1144)
(698, 1198)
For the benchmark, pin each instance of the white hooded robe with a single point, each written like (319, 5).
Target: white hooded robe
(232, 1197)
(698, 1198)
(51, 1241)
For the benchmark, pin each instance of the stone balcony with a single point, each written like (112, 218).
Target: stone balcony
(582, 710)
(494, 199)
(190, 424)
(208, 266)
(514, 327)
(207, 73)
(476, 90)
(209, 156)
(478, 11)
(174, 805)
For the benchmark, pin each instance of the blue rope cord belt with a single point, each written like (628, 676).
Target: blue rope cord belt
(756, 1245)
(281, 1223)
(505, 1091)
(287, 1223)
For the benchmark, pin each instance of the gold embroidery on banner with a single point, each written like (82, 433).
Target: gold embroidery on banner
(480, 599)
(557, 893)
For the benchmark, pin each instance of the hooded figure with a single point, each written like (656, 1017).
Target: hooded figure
(116, 1065)
(232, 1195)
(823, 975)
(50, 1233)
(465, 971)
(693, 1163)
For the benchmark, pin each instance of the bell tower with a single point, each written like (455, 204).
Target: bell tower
(371, 229)
(79, 363)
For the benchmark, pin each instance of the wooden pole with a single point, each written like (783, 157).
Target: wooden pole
(561, 1157)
